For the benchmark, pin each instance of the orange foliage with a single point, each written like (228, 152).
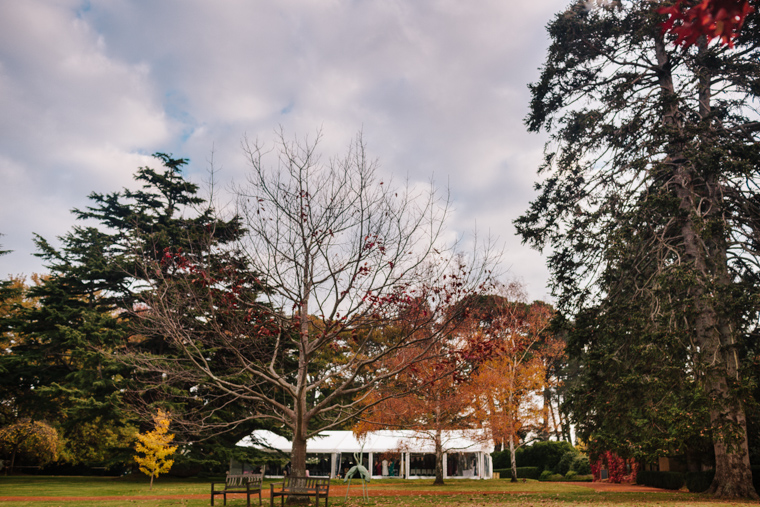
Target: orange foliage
(506, 388)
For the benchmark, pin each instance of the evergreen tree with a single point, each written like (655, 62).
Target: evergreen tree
(68, 367)
(649, 203)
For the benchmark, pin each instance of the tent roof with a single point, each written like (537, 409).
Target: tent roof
(376, 441)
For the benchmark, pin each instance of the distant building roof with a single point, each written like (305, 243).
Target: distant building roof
(376, 441)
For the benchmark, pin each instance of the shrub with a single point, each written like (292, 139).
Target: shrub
(522, 472)
(581, 478)
(581, 465)
(566, 462)
(545, 475)
(570, 475)
(664, 480)
(501, 460)
(697, 482)
(544, 455)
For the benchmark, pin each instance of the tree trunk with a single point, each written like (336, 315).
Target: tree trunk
(300, 409)
(512, 457)
(13, 459)
(438, 459)
(298, 456)
(705, 254)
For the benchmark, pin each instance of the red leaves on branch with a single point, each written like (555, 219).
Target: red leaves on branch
(712, 18)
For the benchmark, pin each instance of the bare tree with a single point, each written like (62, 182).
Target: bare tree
(343, 256)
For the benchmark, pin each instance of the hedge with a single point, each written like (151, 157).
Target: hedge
(698, 482)
(664, 480)
(522, 472)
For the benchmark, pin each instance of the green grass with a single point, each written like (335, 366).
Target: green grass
(133, 491)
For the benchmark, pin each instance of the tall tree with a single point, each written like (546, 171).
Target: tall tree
(64, 369)
(649, 198)
(341, 253)
(508, 384)
(429, 398)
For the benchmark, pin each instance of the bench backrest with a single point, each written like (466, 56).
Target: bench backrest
(234, 481)
(306, 483)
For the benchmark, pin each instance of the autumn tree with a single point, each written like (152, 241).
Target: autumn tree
(429, 397)
(649, 201)
(154, 445)
(341, 253)
(36, 441)
(508, 386)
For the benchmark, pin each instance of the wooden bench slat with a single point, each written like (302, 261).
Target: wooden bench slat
(239, 484)
(301, 486)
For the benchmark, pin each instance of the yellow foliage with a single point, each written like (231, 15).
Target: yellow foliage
(155, 446)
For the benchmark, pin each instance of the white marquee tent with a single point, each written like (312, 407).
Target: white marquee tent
(399, 453)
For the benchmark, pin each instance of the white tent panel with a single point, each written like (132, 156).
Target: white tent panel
(376, 441)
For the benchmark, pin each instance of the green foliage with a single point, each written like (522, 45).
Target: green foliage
(67, 363)
(581, 465)
(566, 462)
(501, 459)
(522, 472)
(548, 475)
(648, 185)
(664, 480)
(698, 482)
(544, 455)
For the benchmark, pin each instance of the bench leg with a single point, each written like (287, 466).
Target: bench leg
(225, 499)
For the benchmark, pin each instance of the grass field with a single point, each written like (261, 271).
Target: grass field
(133, 491)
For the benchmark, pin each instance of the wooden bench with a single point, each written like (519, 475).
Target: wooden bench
(301, 486)
(240, 484)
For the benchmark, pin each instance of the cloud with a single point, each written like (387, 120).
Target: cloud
(89, 89)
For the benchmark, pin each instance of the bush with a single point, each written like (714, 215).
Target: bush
(664, 480)
(697, 482)
(548, 475)
(544, 455)
(570, 475)
(522, 472)
(581, 465)
(565, 463)
(501, 460)
(581, 478)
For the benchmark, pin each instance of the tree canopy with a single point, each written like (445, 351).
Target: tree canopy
(649, 203)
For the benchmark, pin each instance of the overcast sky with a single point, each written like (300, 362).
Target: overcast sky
(89, 89)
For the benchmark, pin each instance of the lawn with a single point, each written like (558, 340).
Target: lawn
(133, 491)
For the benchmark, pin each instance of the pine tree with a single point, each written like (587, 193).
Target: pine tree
(68, 367)
(649, 204)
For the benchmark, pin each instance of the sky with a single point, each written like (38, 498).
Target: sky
(438, 88)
